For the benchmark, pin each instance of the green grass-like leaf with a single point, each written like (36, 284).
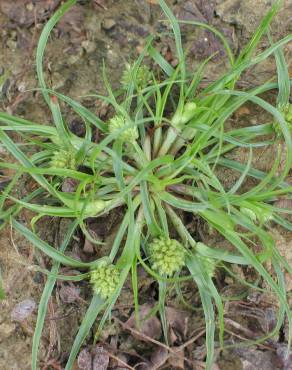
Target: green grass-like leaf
(46, 294)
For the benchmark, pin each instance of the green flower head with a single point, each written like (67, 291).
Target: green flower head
(167, 255)
(105, 279)
(64, 159)
(286, 111)
(142, 77)
(118, 122)
(256, 212)
(209, 265)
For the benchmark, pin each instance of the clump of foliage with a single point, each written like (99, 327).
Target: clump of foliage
(157, 159)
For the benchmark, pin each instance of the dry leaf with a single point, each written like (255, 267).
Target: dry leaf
(252, 359)
(100, 359)
(177, 361)
(88, 247)
(159, 357)
(69, 185)
(150, 326)
(69, 294)
(85, 360)
(177, 320)
(285, 362)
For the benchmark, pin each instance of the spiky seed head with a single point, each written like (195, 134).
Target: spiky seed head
(64, 159)
(105, 279)
(167, 255)
(143, 76)
(257, 213)
(289, 114)
(118, 122)
(209, 265)
(286, 110)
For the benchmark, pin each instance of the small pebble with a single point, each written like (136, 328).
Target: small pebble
(38, 278)
(88, 46)
(75, 56)
(23, 310)
(21, 87)
(108, 24)
(30, 7)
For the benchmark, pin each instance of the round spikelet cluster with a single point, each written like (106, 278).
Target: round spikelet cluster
(105, 279)
(286, 111)
(209, 265)
(167, 255)
(257, 214)
(64, 159)
(118, 122)
(143, 76)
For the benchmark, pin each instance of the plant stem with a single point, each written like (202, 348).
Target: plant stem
(147, 148)
(178, 225)
(170, 137)
(157, 141)
(187, 135)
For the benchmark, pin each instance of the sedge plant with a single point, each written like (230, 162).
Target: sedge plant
(157, 160)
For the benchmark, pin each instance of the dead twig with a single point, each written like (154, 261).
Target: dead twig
(149, 339)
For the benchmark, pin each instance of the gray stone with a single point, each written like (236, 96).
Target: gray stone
(108, 24)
